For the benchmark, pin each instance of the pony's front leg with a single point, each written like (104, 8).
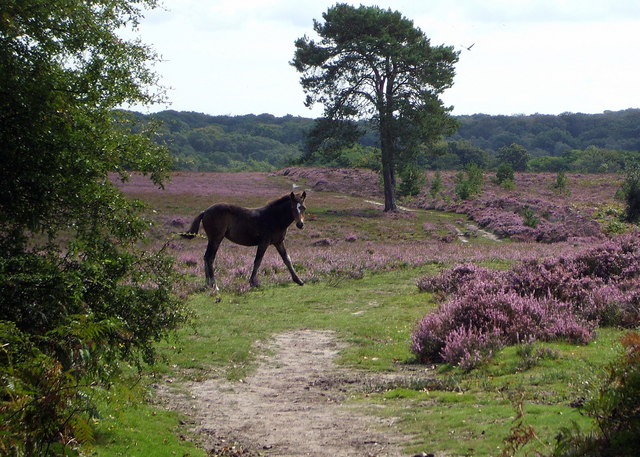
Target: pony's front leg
(253, 280)
(287, 261)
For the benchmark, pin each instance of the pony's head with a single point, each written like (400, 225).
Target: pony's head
(298, 208)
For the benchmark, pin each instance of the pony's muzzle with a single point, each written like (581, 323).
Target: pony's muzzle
(300, 225)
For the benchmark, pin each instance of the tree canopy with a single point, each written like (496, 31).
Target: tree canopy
(515, 155)
(201, 142)
(372, 63)
(77, 295)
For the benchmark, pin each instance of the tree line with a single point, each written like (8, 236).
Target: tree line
(200, 142)
(592, 143)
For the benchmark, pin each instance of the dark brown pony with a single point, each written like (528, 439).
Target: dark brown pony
(250, 227)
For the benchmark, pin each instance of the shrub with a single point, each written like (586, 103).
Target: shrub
(561, 298)
(412, 181)
(470, 347)
(462, 188)
(560, 184)
(529, 217)
(630, 194)
(475, 176)
(615, 409)
(65, 326)
(40, 405)
(469, 327)
(504, 173)
(508, 184)
(450, 280)
(436, 185)
(470, 183)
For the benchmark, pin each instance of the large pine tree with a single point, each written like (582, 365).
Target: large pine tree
(372, 63)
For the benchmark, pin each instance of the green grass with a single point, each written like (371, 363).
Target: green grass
(473, 424)
(375, 315)
(130, 426)
(144, 431)
(475, 418)
(458, 413)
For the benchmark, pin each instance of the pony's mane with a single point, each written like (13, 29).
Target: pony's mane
(279, 201)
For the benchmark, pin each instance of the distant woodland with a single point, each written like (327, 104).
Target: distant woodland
(566, 142)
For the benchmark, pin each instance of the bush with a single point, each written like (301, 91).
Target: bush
(560, 185)
(412, 181)
(450, 280)
(470, 183)
(630, 194)
(471, 326)
(470, 347)
(529, 218)
(41, 407)
(615, 409)
(65, 326)
(436, 185)
(561, 298)
(475, 176)
(504, 173)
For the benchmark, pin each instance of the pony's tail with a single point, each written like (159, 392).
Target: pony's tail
(193, 231)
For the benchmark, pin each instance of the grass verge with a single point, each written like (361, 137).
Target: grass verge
(375, 315)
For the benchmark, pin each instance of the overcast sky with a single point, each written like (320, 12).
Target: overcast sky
(528, 56)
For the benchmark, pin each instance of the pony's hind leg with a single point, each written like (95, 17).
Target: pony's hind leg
(253, 280)
(209, 257)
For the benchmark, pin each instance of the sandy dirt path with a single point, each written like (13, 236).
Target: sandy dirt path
(292, 405)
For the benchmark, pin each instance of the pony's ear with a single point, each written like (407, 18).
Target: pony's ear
(304, 195)
(293, 196)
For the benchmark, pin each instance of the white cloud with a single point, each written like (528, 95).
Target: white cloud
(547, 56)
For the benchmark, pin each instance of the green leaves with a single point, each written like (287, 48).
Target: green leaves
(77, 296)
(368, 55)
(629, 192)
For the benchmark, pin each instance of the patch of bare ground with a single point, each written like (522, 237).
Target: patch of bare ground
(292, 405)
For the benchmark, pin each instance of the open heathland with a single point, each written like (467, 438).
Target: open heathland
(328, 368)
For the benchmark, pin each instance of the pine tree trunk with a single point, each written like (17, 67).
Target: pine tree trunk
(389, 188)
(388, 172)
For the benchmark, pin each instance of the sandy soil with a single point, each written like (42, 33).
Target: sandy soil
(292, 405)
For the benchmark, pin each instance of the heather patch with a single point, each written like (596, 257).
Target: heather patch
(470, 327)
(510, 212)
(347, 232)
(507, 211)
(316, 257)
(562, 298)
(350, 181)
(513, 216)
